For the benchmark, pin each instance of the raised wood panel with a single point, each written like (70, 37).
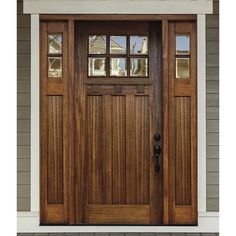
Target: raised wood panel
(95, 151)
(183, 151)
(55, 149)
(118, 150)
(124, 214)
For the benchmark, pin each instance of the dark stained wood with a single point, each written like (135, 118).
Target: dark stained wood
(55, 149)
(118, 214)
(81, 167)
(118, 17)
(97, 164)
(117, 164)
(165, 63)
(71, 117)
(183, 151)
(183, 140)
(118, 150)
(54, 133)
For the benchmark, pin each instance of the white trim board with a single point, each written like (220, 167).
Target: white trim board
(201, 78)
(118, 7)
(28, 222)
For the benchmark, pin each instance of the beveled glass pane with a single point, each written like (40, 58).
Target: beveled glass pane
(138, 44)
(117, 44)
(54, 67)
(97, 44)
(118, 67)
(54, 44)
(97, 66)
(138, 67)
(182, 68)
(182, 44)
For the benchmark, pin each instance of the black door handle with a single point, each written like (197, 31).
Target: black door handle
(156, 152)
(157, 137)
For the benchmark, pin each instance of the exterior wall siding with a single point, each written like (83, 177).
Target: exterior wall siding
(212, 109)
(23, 109)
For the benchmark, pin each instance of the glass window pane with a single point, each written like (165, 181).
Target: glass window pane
(138, 44)
(97, 44)
(117, 44)
(139, 67)
(118, 67)
(54, 67)
(54, 44)
(97, 66)
(182, 68)
(182, 44)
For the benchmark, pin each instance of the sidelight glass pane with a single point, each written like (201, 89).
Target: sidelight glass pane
(117, 44)
(138, 44)
(118, 67)
(54, 44)
(97, 66)
(54, 67)
(182, 44)
(182, 68)
(138, 67)
(97, 44)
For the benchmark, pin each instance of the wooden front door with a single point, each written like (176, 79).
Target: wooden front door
(118, 111)
(118, 120)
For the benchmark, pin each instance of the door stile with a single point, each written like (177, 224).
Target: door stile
(71, 114)
(165, 154)
(156, 202)
(80, 104)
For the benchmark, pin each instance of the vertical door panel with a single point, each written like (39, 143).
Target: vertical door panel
(182, 125)
(54, 107)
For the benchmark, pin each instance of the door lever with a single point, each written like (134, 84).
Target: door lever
(156, 152)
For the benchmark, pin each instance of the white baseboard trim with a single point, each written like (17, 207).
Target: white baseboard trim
(28, 222)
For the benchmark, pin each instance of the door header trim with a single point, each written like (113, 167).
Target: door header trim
(118, 7)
